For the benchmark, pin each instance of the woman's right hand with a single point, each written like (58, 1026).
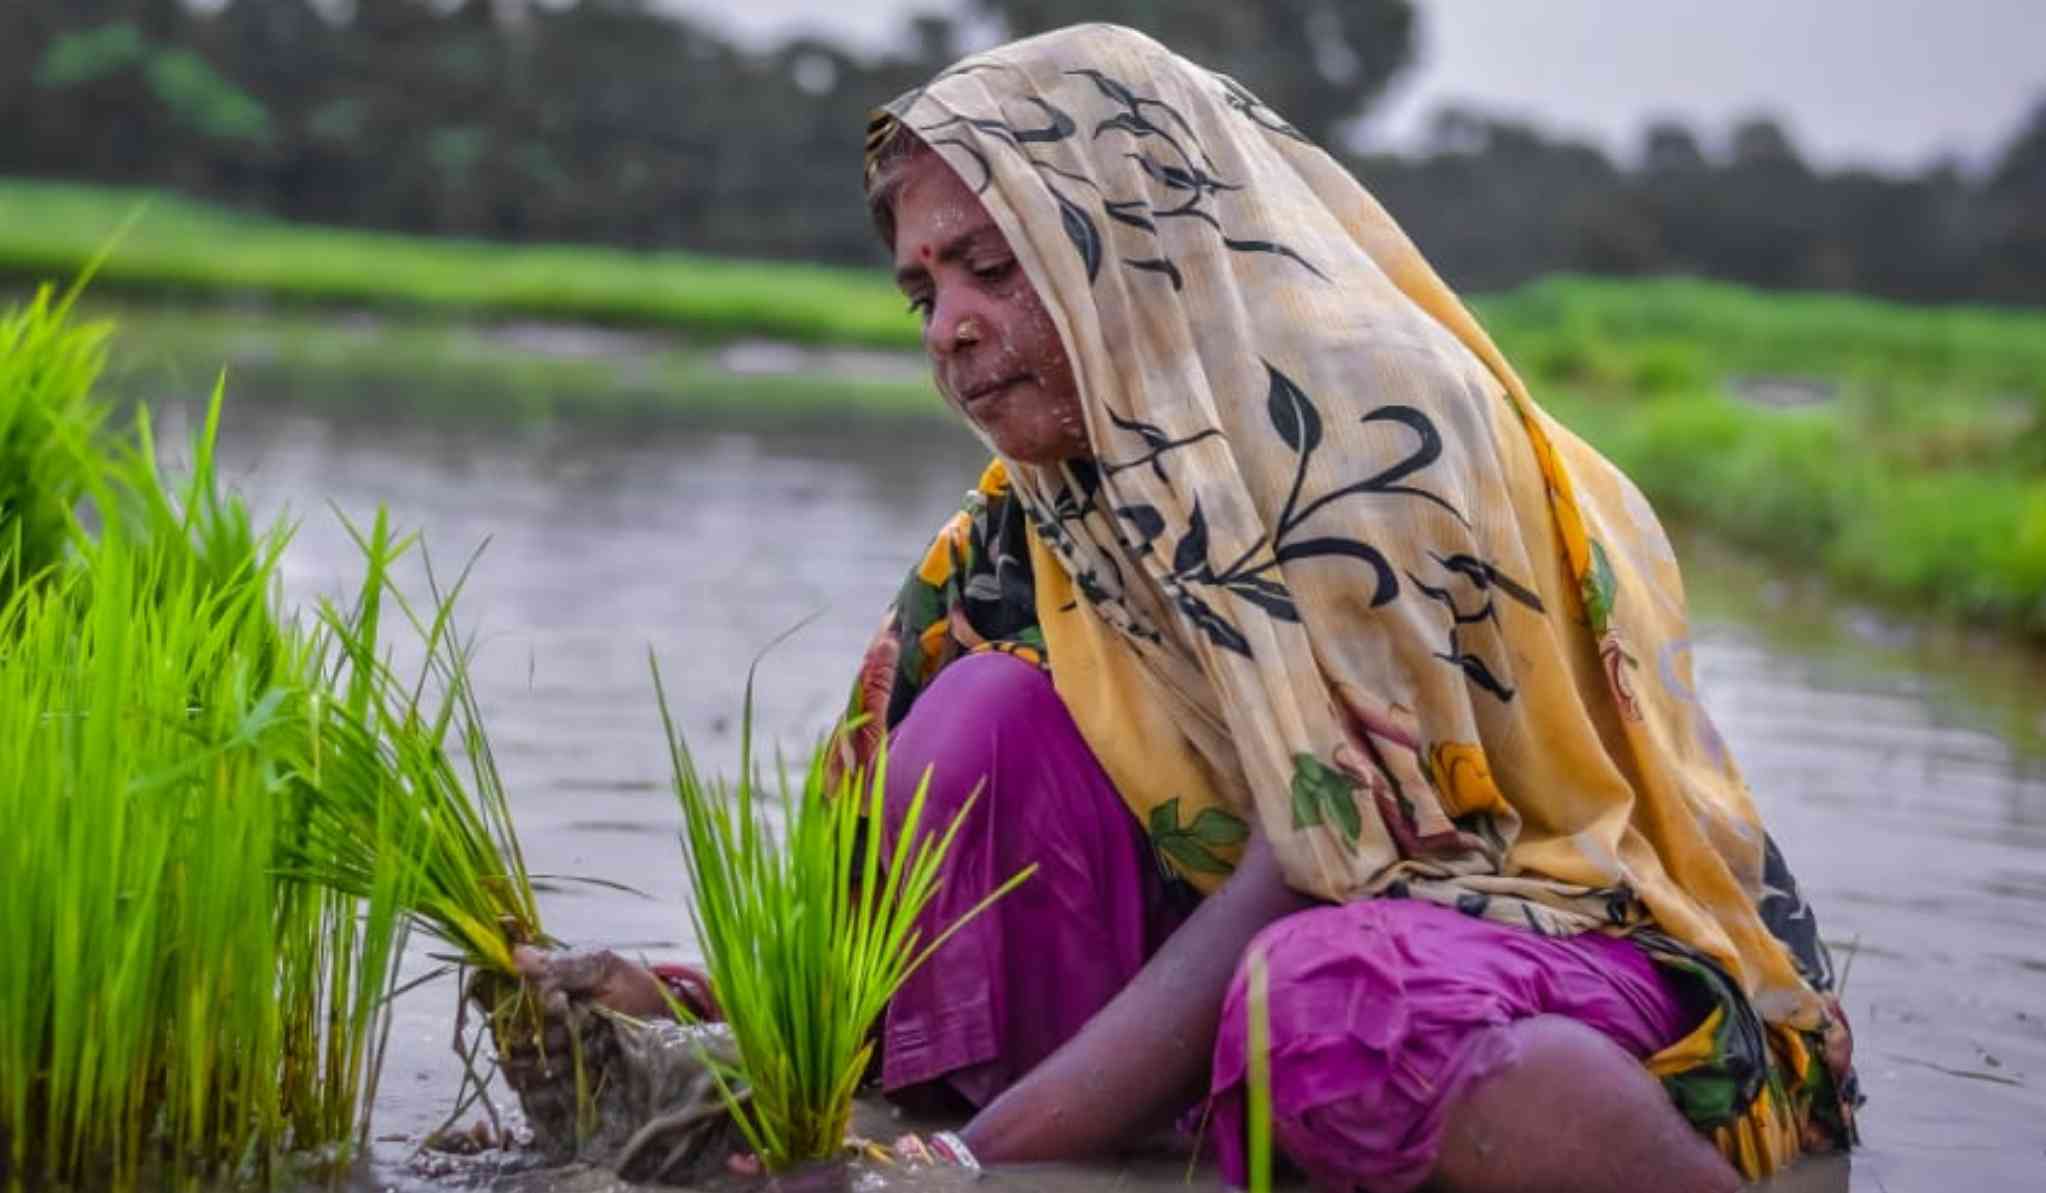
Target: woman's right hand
(560, 979)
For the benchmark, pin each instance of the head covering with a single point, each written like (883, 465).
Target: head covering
(1330, 566)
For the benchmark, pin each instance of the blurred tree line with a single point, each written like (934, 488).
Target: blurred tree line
(609, 121)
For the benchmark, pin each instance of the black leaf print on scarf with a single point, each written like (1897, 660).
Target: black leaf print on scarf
(1298, 424)
(1267, 246)
(1484, 577)
(1059, 129)
(1190, 566)
(1214, 625)
(1201, 183)
(1388, 583)
(1045, 167)
(1079, 226)
(1192, 177)
(1426, 451)
(1160, 265)
(1059, 126)
(1255, 111)
(987, 171)
(1294, 417)
(1200, 186)
(1269, 595)
(1191, 555)
(1457, 616)
(1132, 119)
(1481, 675)
(1149, 524)
(1081, 231)
(1156, 444)
(1131, 212)
(1090, 587)
(1085, 477)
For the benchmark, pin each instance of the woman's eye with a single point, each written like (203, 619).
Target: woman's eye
(993, 271)
(920, 306)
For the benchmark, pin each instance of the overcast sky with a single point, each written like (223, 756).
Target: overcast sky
(1891, 83)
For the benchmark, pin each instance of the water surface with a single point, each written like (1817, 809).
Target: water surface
(1896, 786)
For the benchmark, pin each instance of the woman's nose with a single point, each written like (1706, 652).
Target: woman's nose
(953, 328)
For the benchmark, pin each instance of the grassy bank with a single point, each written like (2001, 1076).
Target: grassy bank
(1899, 451)
(190, 249)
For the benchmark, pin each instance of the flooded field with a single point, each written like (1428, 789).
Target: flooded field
(1898, 778)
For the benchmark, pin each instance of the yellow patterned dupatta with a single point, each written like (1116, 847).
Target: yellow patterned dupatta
(1331, 568)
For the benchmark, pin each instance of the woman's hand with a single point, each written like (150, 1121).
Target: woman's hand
(1144, 1057)
(559, 980)
(597, 976)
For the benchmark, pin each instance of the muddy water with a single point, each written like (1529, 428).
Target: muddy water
(1895, 776)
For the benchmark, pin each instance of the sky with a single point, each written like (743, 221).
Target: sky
(1891, 84)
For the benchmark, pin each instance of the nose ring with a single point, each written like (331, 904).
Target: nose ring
(968, 332)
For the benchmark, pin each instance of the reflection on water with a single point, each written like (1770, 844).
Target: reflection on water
(1921, 839)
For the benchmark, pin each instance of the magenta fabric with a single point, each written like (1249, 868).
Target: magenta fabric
(1019, 980)
(1383, 1012)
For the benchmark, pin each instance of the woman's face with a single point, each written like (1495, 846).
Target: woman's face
(994, 350)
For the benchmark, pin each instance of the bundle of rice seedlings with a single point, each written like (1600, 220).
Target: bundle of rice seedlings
(200, 967)
(806, 933)
(48, 421)
(387, 789)
(162, 1018)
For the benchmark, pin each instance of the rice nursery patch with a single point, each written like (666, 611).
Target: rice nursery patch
(221, 821)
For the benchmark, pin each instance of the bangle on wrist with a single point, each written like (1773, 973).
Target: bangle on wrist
(949, 1147)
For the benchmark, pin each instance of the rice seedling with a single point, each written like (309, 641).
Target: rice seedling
(806, 933)
(47, 421)
(1259, 1108)
(404, 800)
(199, 975)
(170, 1013)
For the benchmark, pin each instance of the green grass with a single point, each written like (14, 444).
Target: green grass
(1917, 480)
(807, 933)
(188, 248)
(198, 982)
(1920, 481)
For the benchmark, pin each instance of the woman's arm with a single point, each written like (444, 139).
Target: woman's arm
(1145, 1056)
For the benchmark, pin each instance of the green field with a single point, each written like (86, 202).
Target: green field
(1899, 451)
(188, 249)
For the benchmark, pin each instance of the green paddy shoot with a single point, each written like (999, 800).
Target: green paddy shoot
(807, 931)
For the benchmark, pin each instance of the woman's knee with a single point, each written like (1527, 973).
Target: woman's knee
(1296, 956)
(952, 741)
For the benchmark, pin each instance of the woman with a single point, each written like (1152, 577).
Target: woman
(1286, 626)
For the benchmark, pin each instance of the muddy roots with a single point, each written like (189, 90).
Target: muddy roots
(636, 1097)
